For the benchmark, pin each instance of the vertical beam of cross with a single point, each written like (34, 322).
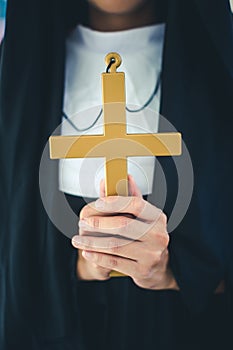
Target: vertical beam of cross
(113, 97)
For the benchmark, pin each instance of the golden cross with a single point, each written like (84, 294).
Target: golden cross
(115, 144)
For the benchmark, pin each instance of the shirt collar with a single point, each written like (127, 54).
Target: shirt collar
(123, 40)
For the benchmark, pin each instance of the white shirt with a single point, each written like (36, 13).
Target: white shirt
(231, 5)
(141, 52)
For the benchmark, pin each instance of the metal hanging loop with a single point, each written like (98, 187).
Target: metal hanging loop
(113, 61)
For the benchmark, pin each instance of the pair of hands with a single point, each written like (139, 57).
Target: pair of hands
(125, 234)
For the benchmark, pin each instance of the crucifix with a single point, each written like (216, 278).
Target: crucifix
(115, 144)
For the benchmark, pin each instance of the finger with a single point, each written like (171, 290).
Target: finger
(102, 188)
(110, 245)
(133, 188)
(136, 250)
(135, 206)
(100, 273)
(122, 265)
(116, 225)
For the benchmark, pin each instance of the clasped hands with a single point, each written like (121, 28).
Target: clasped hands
(125, 234)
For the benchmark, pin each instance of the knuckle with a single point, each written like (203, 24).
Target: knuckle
(84, 212)
(163, 218)
(113, 245)
(95, 222)
(113, 262)
(162, 238)
(137, 205)
(124, 223)
(158, 256)
(167, 239)
(155, 257)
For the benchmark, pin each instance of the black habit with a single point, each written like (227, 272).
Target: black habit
(42, 304)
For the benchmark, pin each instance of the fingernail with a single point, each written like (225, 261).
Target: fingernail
(82, 223)
(76, 240)
(99, 204)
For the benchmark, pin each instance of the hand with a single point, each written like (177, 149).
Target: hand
(87, 270)
(125, 234)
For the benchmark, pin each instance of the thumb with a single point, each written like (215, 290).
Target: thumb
(132, 187)
(102, 188)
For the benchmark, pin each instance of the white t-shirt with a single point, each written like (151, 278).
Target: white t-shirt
(231, 5)
(141, 52)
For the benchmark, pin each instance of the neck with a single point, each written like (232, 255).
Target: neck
(147, 15)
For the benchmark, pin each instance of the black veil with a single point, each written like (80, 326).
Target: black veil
(42, 305)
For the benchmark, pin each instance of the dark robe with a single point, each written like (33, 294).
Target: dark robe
(42, 304)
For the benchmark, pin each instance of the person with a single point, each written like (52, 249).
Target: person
(52, 297)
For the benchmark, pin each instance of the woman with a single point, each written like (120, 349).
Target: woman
(50, 299)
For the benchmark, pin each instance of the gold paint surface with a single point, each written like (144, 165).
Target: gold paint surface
(116, 181)
(113, 87)
(110, 146)
(117, 61)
